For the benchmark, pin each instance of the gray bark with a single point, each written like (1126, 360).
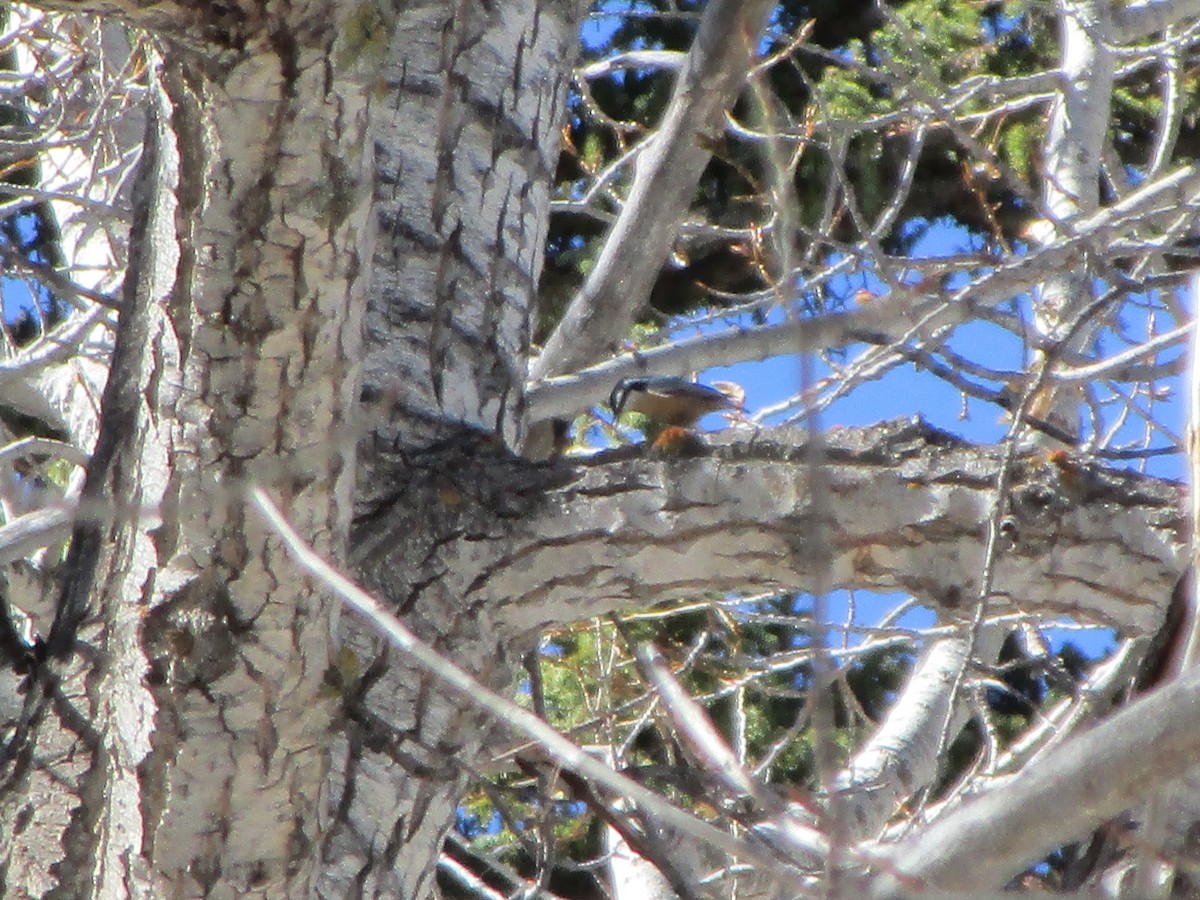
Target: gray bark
(181, 733)
(174, 739)
(468, 140)
(553, 544)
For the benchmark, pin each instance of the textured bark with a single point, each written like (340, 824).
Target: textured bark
(179, 611)
(94, 722)
(243, 370)
(269, 377)
(908, 508)
(523, 545)
(467, 142)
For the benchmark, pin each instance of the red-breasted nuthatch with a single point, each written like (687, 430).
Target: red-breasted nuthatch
(672, 403)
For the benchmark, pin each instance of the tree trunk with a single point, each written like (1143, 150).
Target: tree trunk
(200, 720)
(188, 697)
(463, 213)
(175, 740)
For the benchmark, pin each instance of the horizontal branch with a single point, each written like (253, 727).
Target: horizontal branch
(34, 530)
(567, 395)
(907, 511)
(895, 317)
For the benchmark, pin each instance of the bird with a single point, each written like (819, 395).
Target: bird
(672, 406)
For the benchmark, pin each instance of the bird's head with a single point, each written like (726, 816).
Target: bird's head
(620, 394)
(668, 400)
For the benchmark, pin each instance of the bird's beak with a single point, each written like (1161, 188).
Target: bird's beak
(616, 400)
(734, 391)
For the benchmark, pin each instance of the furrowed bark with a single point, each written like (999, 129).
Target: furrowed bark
(189, 618)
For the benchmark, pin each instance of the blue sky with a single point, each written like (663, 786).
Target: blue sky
(905, 391)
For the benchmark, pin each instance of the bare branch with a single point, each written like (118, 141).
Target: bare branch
(666, 177)
(1140, 20)
(1090, 778)
(34, 530)
(464, 686)
(903, 756)
(909, 505)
